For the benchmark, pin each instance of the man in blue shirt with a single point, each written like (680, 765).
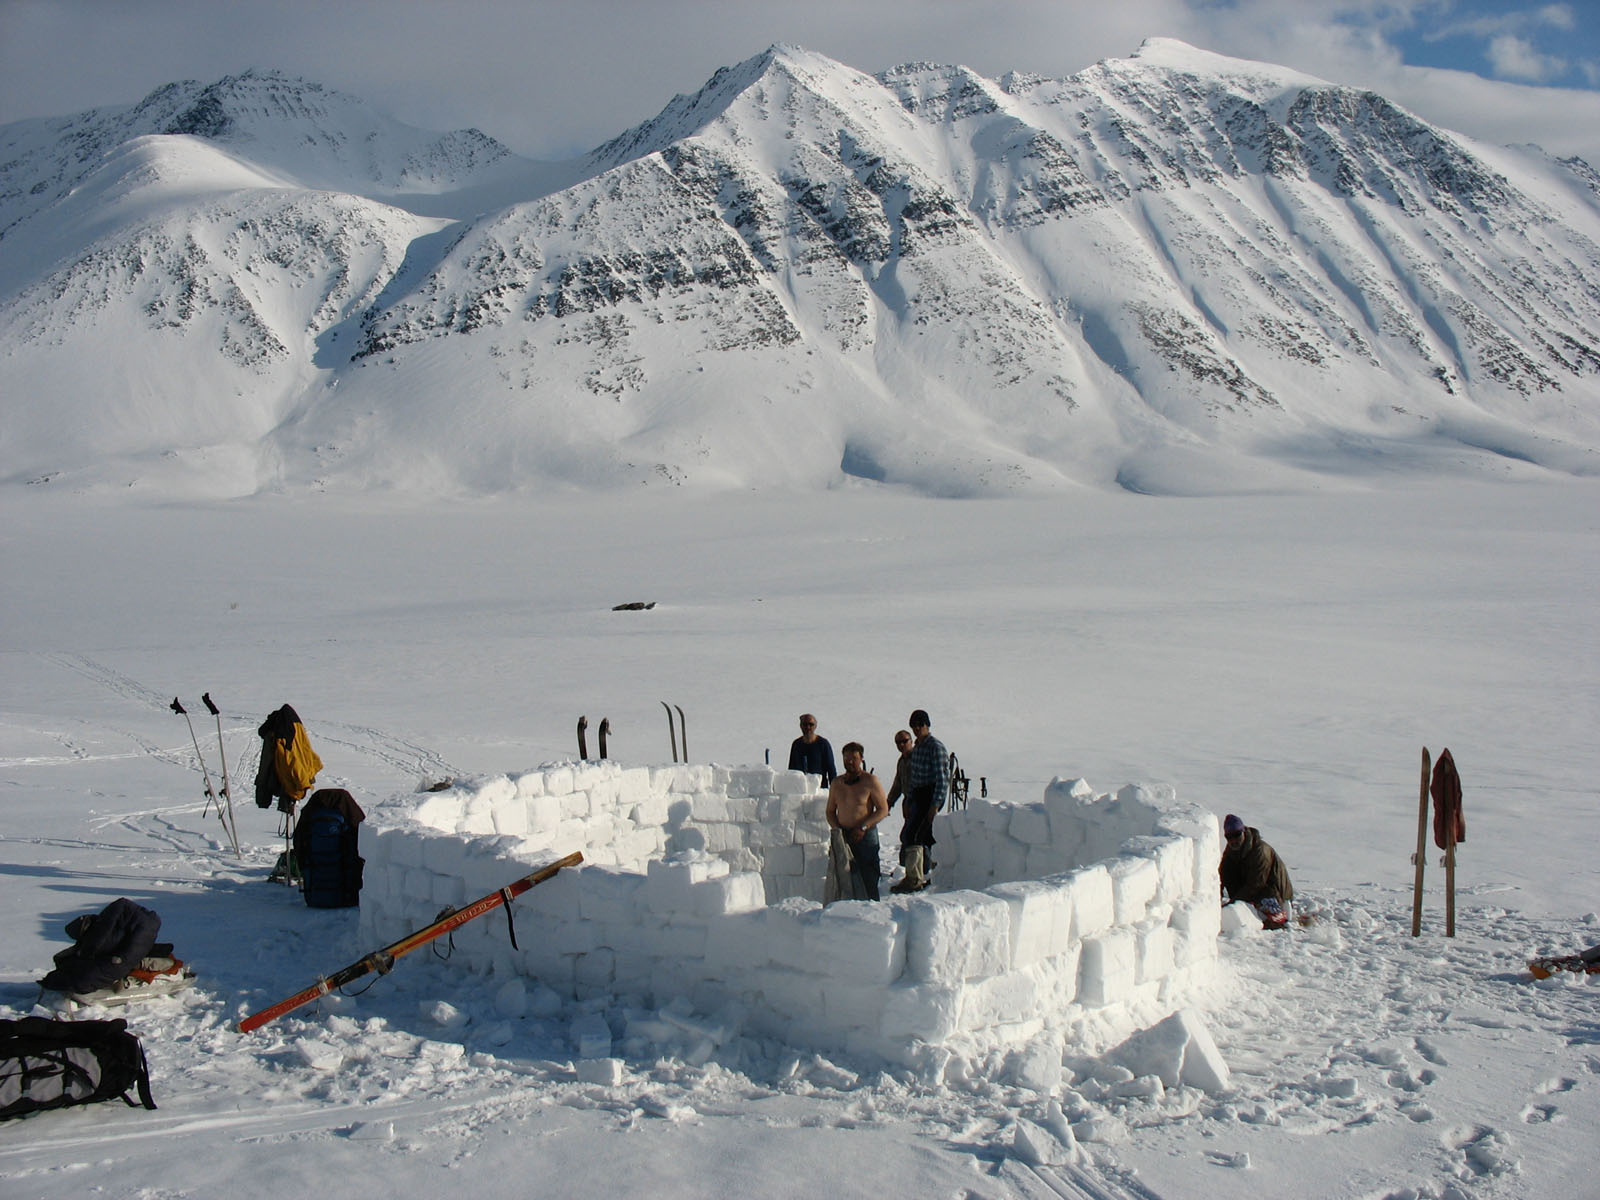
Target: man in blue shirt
(810, 753)
(927, 785)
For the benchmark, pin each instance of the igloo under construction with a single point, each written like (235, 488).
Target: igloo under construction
(1069, 922)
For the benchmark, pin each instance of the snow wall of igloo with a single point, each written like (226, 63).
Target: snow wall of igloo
(1068, 923)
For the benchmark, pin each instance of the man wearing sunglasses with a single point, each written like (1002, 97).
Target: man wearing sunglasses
(902, 768)
(811, 753)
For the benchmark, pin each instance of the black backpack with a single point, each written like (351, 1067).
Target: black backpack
(330, 867)
(52, 1064)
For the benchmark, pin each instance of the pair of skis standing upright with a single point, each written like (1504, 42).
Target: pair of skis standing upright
(224, 799)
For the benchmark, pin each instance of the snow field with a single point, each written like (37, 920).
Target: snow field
(701, 885)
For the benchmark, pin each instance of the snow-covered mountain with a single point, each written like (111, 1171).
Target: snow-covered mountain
(1176, 271)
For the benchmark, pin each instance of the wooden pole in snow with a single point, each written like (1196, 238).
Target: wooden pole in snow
(1420, 858)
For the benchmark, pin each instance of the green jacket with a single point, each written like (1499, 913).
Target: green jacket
(1252, 871)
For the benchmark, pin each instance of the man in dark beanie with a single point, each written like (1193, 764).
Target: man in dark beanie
(1252, 871)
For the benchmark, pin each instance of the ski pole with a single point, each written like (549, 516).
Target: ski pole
(227, 790)
(211, 795)
(382, 961)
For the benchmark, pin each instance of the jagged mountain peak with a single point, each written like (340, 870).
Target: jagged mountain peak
(1172, 271)
(782, 68)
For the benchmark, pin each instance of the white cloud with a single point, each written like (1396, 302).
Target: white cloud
(554, 77)
(1515, 58)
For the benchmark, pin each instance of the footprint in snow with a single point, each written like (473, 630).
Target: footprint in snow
(1540, 1114)
(1551, 1087)
(1484, 1151)
(1431, 1052)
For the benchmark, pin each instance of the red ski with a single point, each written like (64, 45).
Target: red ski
(1543, 968)
(382, 961)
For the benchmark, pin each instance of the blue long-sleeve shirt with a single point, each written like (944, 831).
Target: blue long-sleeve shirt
(814, 758)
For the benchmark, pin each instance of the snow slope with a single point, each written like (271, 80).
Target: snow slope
(1283, 657)
(1175, 272)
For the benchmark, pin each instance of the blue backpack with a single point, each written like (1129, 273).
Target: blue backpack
(326, 847)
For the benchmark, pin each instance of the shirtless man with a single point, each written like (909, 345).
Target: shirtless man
(855, 806)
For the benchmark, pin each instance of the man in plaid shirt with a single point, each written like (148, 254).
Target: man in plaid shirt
(928, 783)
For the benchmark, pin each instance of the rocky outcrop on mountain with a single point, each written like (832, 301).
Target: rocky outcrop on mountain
(802, 274)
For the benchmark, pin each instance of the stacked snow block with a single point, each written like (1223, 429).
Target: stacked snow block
(1076, 920)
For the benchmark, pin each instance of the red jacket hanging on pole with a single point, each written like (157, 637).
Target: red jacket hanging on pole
(1446, 792)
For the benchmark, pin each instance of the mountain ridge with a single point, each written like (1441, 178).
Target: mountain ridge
(1173, 272)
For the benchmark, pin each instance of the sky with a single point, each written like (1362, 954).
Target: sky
(551, 79)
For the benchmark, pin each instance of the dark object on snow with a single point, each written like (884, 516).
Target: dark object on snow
(634, 606)
(52, 1064)
(1448, 818)
(1252, 871)
(326, 844)
(288, 764)
(106, 946)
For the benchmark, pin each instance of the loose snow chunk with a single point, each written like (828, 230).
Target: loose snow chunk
(444, 1014)
(319, 1056)
(607, 1072)
(1240, 919)
(957, 935)
(1039, 1147)
(1178, 1050)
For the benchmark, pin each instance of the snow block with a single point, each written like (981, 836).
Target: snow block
(957, 935)
(794, 783)
(787, 922)
(1001, 999)
(1094, 905)
(509, 815)
(921, 1010)
(708, 806)
(591, 1036)
(670, 881)
(1041, 919)
(730, 893)
(1106, 968)
(1030, 824)
(441, 810)
(1154, 951)
(1174, 859)
(860, 941)
(1134, 884)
